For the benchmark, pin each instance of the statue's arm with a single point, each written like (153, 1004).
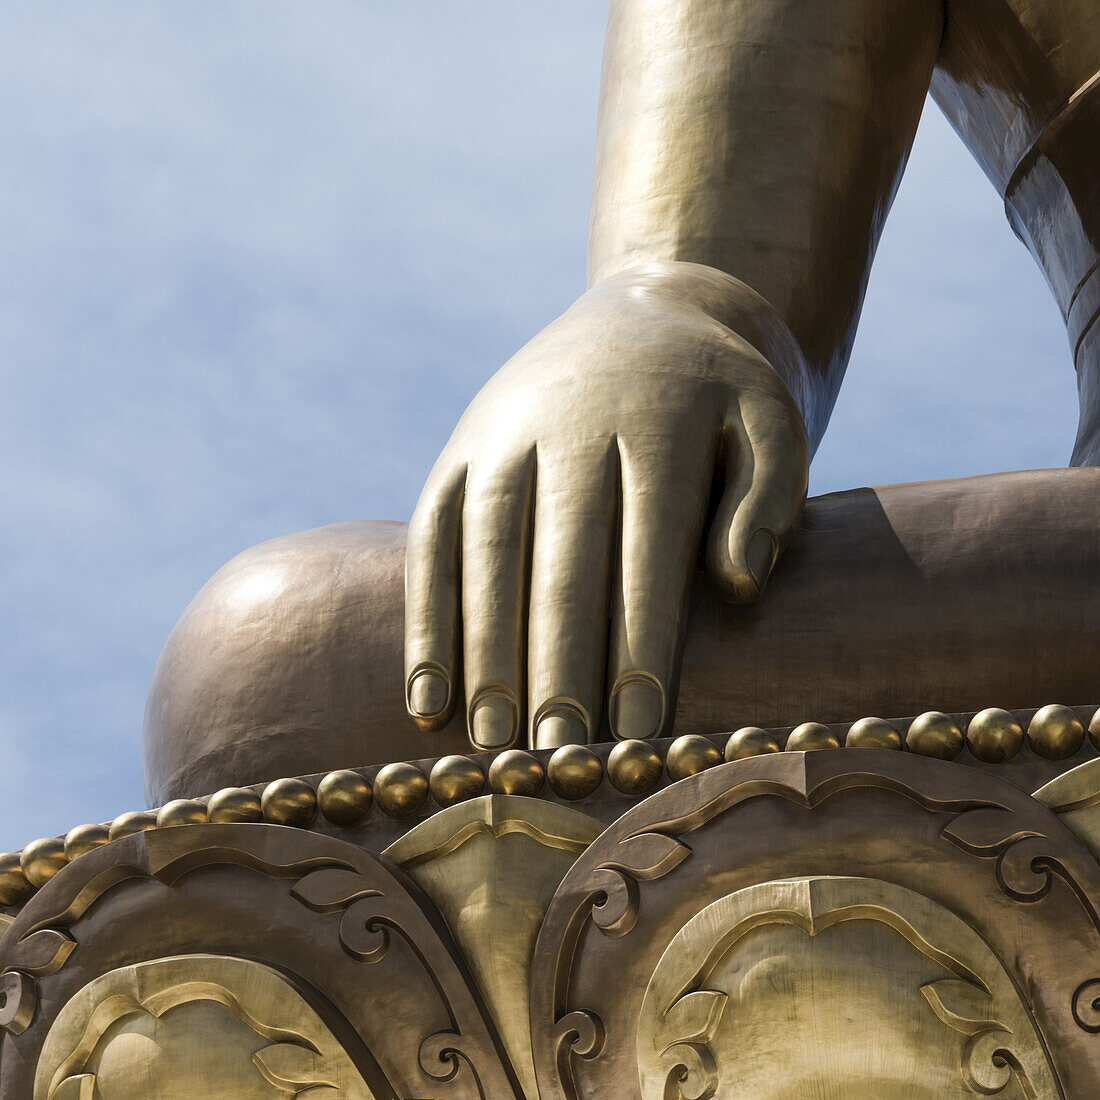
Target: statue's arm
(748, 153)
(766, 139)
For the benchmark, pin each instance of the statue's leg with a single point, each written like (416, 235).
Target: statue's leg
(1020, 81)
(948, 595)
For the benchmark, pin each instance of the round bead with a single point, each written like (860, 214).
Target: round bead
(689, 755)
(810, 736)
(14, 886)
(575, 771)
(750, 741)
(289, 802)
(233, 805)
(455, 779)
(934, 734)
(400, 789)
(136, 821)
(994, 736)
(344, 797)
(83, 839)
(872, 733)
(1055, 732)
(634, 767)
(516, 772)
(42, 859)
(181, 811)
(1094, 729)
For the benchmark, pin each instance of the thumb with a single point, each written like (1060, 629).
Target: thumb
(766, 459)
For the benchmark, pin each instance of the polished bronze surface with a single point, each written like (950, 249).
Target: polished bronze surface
(881, 601)
(749, 741)
(1055, 732)
(455, 779)
(400, 789)
(516, 772)
(634, 767)
(42, 859)
(344, 797)
(872, 733)
(994, 735)
(289, 802)
(235, 804)
(574, 772)
(810, 736)
(689, 755)
(135, 821)
(84, 838)
(181, 811)
(934, 734)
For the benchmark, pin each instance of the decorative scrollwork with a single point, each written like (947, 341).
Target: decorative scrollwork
(18, 999)
(1086, 1006)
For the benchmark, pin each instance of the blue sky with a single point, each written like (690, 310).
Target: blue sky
(257, 257)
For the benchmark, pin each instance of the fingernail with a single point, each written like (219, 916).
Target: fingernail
(428, 694)
(561, 727)
(637, 710)
(761, 557)
(493, 723)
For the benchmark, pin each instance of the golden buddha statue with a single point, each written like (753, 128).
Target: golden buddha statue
(748, 154)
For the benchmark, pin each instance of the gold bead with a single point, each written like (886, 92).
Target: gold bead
(516, 772)
(14, 885)
(136, 821)
(1055, 732)
(689, 755)
(872, 733)
(42, 859)
(344, 796)
(934, 734)
(400, 789)
(233, 805)
(750, 741)
(181, 811)
(810, 736)
(634, 767)
(84, 838)
(455, 779)
(575, 771)
(1094, 729)
(289, 802)
(994, 736)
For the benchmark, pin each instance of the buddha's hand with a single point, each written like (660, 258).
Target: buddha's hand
(556, 537)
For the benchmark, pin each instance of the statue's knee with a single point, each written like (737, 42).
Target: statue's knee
(290, 654)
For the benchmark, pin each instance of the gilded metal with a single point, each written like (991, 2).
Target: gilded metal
(994, 735)
(1094, 728)
(690, 754)
(289, 802)
(232, 805)
(15, 887)
(917, 580)
(574, 772)
(42, 859)
(84, 838)
(135, 821)
(810, 736)
(344, 797)
(750, 741)
(400, 789)
(181, 811)
(455, 779)
(934, 734)
(1055, 732)
(634, 767)
(516, 772)
(872, 733)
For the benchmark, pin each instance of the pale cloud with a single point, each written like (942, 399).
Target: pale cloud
(257, 257)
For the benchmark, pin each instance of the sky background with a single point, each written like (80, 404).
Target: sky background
(256, 257)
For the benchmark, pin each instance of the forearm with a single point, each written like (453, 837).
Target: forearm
(766, 139)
